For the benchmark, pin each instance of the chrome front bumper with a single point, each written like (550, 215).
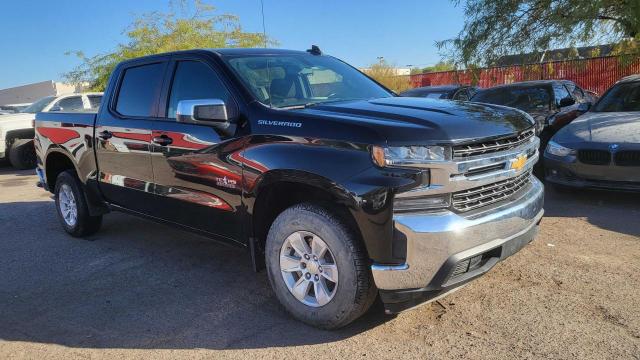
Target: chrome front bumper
(436, 242)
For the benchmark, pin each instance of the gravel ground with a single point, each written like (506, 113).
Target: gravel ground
(139, 289)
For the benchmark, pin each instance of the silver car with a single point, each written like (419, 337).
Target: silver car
(600, 149)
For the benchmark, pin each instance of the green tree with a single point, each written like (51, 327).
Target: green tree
(386, 74)
(444, 65)
(188, 25)
(494, 28)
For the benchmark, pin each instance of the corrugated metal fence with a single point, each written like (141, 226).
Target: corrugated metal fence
(596, 74)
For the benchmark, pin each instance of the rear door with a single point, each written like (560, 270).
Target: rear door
(123, 135)
(197, 181)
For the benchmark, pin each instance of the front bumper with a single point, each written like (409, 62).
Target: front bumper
(438, 243)
(3, 148)
(605, 177)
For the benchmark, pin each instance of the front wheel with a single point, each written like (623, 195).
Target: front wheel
(317, 268)
(72, 206)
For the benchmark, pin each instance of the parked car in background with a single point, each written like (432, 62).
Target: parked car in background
(448, 92)
(17, 133)
(341, 189)
(600, 149)
(552, 103)
(12, 108)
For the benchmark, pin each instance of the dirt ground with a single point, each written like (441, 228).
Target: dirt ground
(142, 290)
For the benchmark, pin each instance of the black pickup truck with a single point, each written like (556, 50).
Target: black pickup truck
(341, 189)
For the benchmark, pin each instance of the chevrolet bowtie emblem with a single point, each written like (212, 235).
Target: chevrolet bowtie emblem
(519, 162)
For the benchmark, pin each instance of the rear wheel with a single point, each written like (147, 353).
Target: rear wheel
(22, 154)
(317, 268)
(72, 206)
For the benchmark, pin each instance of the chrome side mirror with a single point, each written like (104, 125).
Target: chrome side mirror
(202, 111)
(211, 112)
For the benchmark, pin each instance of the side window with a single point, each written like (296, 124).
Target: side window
(560, 93)
(94, 101)
(139, 90)
(73, 103)
(577, 93)
(195, 80)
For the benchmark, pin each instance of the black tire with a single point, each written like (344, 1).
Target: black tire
(355, 290)
(85, 224)
(22, 154)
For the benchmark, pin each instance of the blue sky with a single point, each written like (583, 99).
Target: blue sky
(35, 34)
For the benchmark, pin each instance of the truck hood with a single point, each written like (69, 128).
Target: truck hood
(418, 120)
(602, 127)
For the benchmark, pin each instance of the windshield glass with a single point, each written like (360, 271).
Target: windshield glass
(38, 105)
(524, 98)
(437, 95)
(622, 97)
(293, 80)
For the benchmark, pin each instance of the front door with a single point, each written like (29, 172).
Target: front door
(123, 137)
(196, 179)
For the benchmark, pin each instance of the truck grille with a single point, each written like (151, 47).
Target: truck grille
(628, 158)
(484, 195)
(462, 151)
(594, 157)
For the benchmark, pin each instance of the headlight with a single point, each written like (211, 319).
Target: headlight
(556, 149)
(407, 155)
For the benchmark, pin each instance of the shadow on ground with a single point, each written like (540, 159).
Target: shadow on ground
(139, 285)
(609, 210)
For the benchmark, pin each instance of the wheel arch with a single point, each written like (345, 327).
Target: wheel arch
(58, 160)
(55, 162)
(281, 189)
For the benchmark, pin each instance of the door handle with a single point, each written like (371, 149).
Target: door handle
(162, 140)
(105, 135)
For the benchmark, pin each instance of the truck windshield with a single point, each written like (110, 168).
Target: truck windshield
(283, 81)
(38, 105)
(622, 97)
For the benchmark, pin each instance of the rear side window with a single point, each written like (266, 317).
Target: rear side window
(194, 80)
(94, 101)
(71, 104)
(139, 90)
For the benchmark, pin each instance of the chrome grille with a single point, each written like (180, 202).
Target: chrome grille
(488, 194)
(462, 151)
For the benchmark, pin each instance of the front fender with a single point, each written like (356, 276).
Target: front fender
(343, 169)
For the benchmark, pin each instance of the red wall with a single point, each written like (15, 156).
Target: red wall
(596, 74)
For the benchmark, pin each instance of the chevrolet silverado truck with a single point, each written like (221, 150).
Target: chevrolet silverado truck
(342, 190)
(17, 132)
